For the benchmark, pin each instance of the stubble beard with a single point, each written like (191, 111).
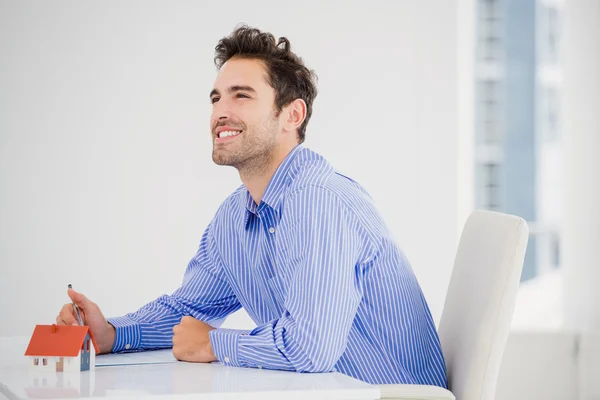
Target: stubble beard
(252, 154)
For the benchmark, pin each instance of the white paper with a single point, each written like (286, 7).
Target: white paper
(135, 358)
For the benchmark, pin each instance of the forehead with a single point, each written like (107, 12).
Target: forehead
(242, 72)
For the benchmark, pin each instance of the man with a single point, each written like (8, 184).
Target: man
(300, 246)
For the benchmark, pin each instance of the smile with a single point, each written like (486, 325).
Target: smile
(225, 134)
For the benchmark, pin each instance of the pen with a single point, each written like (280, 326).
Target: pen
(76, 310)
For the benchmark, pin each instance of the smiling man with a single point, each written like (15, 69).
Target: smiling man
(299, 246)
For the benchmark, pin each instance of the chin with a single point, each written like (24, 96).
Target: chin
(221, 160)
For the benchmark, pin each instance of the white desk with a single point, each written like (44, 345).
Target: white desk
(176, 380)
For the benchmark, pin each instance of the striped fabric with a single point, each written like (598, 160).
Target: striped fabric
(317, 270)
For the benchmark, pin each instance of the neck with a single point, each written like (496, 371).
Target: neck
(256, 177)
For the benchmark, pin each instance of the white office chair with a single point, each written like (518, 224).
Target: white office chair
(478, 309)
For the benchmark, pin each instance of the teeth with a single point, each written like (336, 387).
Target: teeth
(225, 134)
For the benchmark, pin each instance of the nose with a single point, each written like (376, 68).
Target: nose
(221, 110)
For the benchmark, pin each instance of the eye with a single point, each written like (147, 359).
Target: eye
(242, 96)
(214, 99)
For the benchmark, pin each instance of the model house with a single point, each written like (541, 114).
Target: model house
(61, 348)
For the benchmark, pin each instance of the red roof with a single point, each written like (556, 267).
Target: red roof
(58, 340)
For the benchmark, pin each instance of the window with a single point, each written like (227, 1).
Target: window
(36, 361)
(489, 10)
(550, 114)
(489, 26)
(550, 26)
(491, 186)
(44, 361)
(555, 250)
(488, 111)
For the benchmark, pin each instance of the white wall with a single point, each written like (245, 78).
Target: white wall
(550, 365)
(105, 170)
(540, 365)
(581, 138)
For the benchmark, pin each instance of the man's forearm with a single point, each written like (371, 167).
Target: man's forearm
(265, 347)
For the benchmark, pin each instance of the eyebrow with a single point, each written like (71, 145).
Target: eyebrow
(235, 88)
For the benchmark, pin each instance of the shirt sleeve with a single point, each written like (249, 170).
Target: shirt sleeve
(203, 295)
(322, 299)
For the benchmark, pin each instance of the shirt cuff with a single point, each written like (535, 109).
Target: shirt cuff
(224, 344)
(127, 334)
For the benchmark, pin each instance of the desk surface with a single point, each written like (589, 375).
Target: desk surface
(178, 380)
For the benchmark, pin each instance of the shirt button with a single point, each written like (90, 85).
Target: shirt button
(271, 230)
(226, 359)
(127, 346)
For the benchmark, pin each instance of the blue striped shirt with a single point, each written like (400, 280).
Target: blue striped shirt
(317, 270)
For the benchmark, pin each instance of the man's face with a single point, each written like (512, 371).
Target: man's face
(244, 122)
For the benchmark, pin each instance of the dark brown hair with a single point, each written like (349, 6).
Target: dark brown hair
(286, 72)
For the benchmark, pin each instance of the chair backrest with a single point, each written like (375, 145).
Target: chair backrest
(480, 301)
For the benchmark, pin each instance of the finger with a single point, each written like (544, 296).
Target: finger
(67, 315)
(177, 354)
(79, 299)
(176, 342)
(76, 322)
(81, 313)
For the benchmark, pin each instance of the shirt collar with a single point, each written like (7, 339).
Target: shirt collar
(275, 188)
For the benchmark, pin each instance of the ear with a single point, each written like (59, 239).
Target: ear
(294, 114)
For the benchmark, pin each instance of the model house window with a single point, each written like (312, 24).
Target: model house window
(36, 361)
(44, 361)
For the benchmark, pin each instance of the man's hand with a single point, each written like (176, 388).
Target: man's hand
(191, 341)
(104, 333)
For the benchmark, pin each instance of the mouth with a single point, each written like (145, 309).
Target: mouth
(227, 133)
(226, 136)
